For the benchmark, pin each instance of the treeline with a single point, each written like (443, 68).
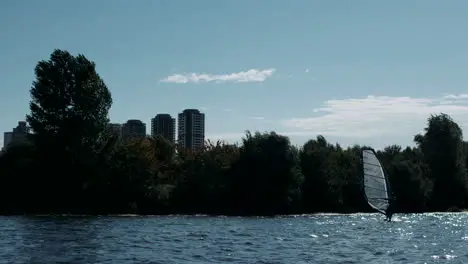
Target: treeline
(72, 163)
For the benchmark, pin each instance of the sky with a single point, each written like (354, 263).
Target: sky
(357, 72)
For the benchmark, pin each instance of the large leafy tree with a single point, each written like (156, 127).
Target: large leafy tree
(69, 114)
(70, 102)
(316, 188)
(267, 176)
(443, 150)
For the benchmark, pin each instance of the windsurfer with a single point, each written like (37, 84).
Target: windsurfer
(389, 213)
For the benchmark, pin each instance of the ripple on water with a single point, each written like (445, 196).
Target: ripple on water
(356, 238)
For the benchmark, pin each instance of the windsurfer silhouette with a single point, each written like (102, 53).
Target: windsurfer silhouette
(389, 215)
(389, 212)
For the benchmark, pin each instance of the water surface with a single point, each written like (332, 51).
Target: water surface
(358, 238)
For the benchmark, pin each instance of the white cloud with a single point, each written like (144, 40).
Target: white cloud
(378, 116)
(230, 137)
(252, 75)
(237, 136)
(372, 120)
(307, 70)
(257, 118)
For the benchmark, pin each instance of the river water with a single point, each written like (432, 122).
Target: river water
(357, 238)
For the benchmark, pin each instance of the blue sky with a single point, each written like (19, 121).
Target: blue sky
(367, 72)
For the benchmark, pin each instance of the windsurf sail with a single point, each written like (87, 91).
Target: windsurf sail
(376, 187)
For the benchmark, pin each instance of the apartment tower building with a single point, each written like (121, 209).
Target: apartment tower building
(164, 125)
(7, 139)
(133, 129)
(115, 129)
(191, 129)
(18, 133)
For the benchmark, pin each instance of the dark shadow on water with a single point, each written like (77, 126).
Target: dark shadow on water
(63, 239)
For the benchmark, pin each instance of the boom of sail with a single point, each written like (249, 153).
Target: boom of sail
(376, 186)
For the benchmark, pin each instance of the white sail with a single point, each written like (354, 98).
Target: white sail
(375, 183)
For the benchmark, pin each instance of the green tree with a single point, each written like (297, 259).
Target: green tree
(267, 176)
(408, 178)
(69, 114)
(133, 170)
(164, 149)
(345, 172)
(70, 101)
(443, 149)
(20, 187)
(314, 161)
(203, 178)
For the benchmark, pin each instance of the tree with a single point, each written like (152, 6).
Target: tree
(267, 176)
(316, 188)
(133, 169)
(408, 178)
(20, 188)
(69, 116)
(443, 150)
(70, 102)
(203, 178)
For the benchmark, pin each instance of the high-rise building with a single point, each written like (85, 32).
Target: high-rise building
(133, 129)
(164, 125)
(21, 128)
(7, 138)
(116, 129)
(20, 132)
(191, 129)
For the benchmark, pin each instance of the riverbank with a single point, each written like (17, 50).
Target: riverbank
(464, 211)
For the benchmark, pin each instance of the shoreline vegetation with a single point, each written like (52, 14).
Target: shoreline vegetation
(317, 214)
(72, 164)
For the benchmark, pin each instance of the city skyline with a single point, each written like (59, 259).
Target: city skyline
(130, 129)
(190, 129)
(351, 72)
(125, 129)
